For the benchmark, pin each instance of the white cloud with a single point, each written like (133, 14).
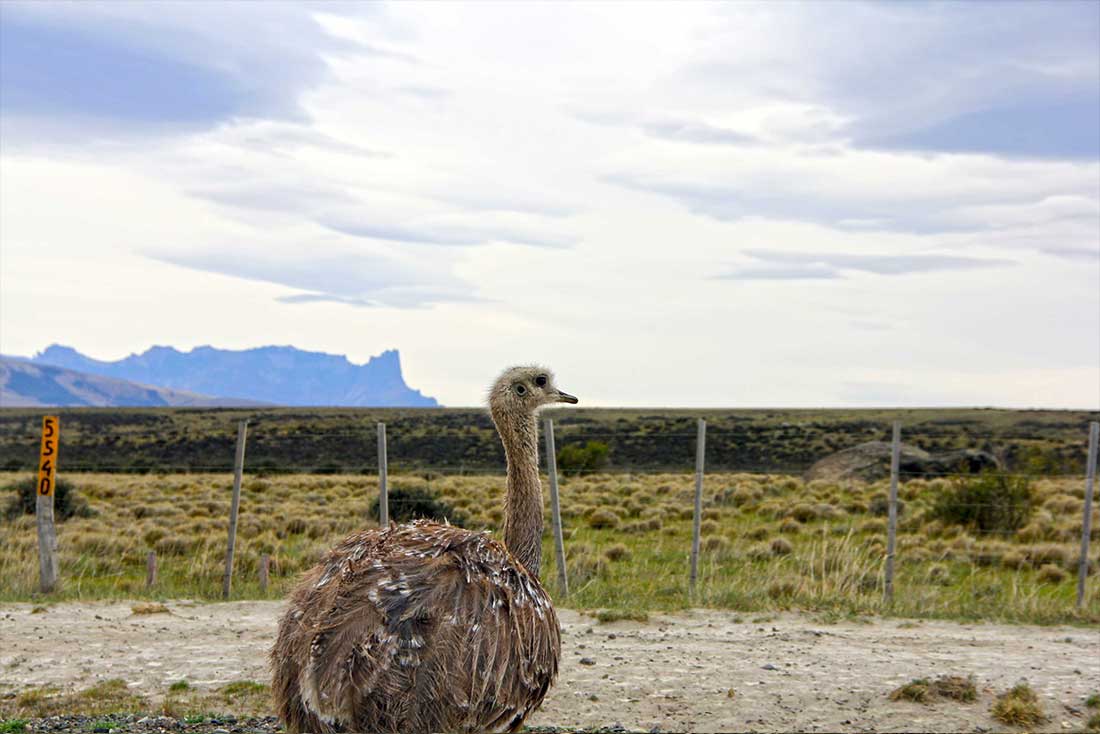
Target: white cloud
(487, 184)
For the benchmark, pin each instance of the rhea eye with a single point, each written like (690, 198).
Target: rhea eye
(541, 380)
(521, 390)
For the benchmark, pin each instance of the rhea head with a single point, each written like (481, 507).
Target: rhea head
(525, 389)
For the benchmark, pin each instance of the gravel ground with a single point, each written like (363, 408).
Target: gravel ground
(700, 671)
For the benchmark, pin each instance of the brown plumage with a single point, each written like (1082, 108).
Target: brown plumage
(427, 627)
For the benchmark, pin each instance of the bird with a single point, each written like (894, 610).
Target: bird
(427, 627)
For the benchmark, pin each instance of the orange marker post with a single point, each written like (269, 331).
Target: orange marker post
(47, 476)
(47, 457)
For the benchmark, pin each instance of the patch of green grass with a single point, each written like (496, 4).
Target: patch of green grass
(1018, 706)
(107, 697)
(180, 685)
(243, 688)
(1093, 724)
(194, 718)
(1093, 701)
(617, 615)
(243, 697)
(13, 726)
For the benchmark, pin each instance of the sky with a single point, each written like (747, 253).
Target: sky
(816, 204)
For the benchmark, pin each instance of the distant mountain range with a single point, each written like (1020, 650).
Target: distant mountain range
(209, 376)
(24, 384)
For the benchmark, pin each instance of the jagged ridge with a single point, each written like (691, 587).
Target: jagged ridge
(281, 375)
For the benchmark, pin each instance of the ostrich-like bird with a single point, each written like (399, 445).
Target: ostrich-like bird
(427, 627)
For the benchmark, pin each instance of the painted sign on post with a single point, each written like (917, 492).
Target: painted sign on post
(47, 460)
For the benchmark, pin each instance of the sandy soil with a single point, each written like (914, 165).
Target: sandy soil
(674, 673)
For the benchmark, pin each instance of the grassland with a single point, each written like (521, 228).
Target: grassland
(342, 440)
(769, 543)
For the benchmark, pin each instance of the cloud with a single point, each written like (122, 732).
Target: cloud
(392, 217)
(103, 69)
(852, 189)
(360, 223)
(786, 265)
(323, 275)
(1073, 253)
(273, 196)
(809, 271)
(695, 132)
(1016, 79)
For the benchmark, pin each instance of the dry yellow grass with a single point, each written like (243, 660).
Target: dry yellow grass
(769, 542)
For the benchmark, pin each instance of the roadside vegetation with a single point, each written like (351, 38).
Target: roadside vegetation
(342, 440)
(769, 542)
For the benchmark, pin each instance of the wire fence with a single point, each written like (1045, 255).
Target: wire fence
(695, 459)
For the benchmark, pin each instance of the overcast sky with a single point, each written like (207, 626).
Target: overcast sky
(781, 204)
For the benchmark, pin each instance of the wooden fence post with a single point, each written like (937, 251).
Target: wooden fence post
(44, 491)
(383, 489)
(892, 522)
(700, 452)
(555, 507)
(265, 568)
(234, 508)
(151, 570)
(1086, 523)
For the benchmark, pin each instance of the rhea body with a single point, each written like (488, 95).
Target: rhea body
(426, 627)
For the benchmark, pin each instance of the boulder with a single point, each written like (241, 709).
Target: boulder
(871, 462)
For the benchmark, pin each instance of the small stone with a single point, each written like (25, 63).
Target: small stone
(612, 636)
(588, 661)
(769, 666)
(593, 697)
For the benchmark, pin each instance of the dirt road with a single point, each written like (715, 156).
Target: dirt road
(698, 671)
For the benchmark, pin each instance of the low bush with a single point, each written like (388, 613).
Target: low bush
(990, 502)
(67, 502)
(411, 503)
(577, 459)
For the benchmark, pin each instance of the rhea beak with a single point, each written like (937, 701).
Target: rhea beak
(564, 397)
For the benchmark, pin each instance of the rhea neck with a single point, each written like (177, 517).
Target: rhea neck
(523, 499)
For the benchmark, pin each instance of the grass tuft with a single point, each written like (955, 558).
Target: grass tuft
(923, 690)
(1018, 707)
(149, 608)
(605, 616)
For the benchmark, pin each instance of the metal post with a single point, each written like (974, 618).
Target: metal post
(265, 569)
(1086, 524)
(555, 506)
(383, 491)
(234, 507)
(892, 523)
(151, 570)
(700, 451)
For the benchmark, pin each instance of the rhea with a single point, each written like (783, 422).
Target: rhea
(427, 627)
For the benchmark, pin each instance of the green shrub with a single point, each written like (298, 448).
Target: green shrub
(990, 502)
(603, 518)
(411, 503)
(577, 459)
(880, 506)
(66, 501)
